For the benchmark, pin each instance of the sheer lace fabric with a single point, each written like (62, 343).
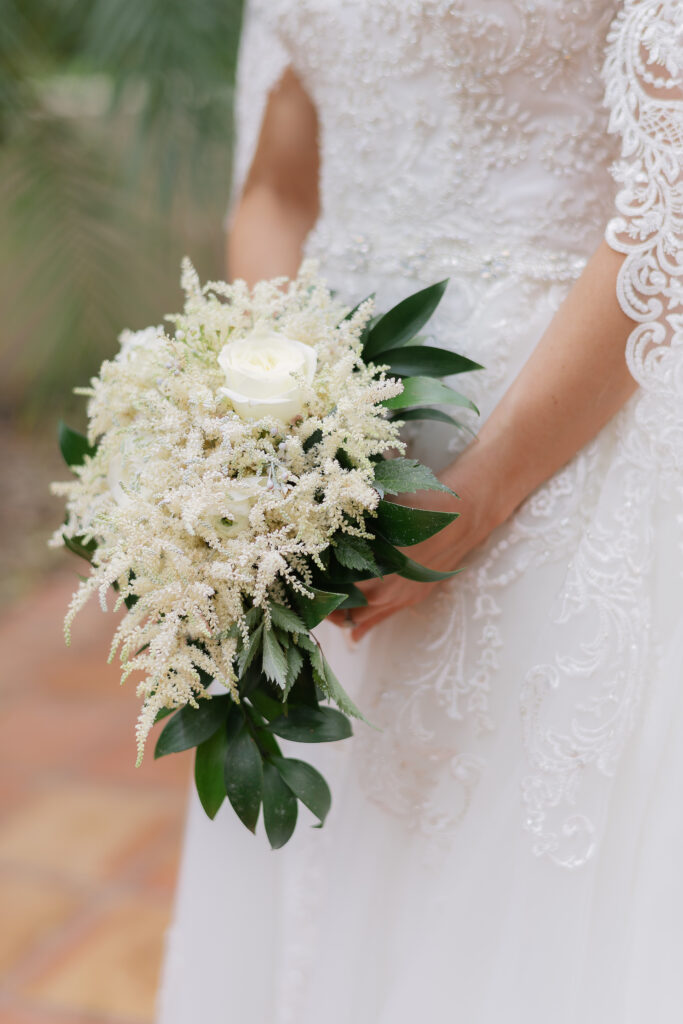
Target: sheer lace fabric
(644, 74)
(529, 709)
(472, 141)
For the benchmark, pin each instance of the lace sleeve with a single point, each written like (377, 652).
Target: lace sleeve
(261, 62)
(644, 91)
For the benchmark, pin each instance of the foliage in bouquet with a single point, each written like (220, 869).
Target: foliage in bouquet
(232, 490)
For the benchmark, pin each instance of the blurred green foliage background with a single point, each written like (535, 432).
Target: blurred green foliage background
(115, 142)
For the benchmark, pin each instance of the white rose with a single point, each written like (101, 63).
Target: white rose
(266, 374)
(121, 476)
(240, 497)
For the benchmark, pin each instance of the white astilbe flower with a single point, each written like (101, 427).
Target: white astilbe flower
(156, 495)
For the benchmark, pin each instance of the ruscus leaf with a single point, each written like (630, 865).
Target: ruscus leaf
(404, 321)
(243, 775)
(279, 807)
(266, 706)
(404, 525)
(312, 725)
(314, 610)
(191, 726)
(428, 361)
(79, 548)
(307, 784)
(425, 412)
(393, 560)
(208, 772)
(427, 391)
(355, 599)
(73, 446)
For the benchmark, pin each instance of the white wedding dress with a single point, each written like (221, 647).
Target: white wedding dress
(509, 848)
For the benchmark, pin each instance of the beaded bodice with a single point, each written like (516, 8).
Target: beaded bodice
(470, 139)
(452, 132)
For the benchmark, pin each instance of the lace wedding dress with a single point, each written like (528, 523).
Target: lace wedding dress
(510, 847)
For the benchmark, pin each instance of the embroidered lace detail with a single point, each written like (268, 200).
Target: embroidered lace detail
(644, 73)
(454, 676)
(360, 254)
(468, 140)
(431, 110)
(579, 708)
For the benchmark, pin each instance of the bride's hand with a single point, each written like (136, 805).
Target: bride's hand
(575, 381)
(385, 597)
(444, 552)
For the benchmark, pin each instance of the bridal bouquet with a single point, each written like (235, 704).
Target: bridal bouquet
(232, 489)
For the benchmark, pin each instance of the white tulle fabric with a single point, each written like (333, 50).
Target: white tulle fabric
(532, 709)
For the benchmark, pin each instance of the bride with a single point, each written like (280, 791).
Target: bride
(509, 847)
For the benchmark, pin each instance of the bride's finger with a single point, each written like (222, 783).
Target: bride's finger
(369, 588)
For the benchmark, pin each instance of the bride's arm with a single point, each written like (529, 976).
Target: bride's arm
(574, 382)
(619, 327)
(278, 204)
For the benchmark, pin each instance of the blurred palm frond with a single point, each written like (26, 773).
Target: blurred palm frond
(115, 125)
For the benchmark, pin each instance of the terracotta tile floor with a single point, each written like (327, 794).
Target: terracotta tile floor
(88, 844)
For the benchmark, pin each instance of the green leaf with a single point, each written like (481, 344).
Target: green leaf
(395, 561)
(266, 706)
(404, 321)
(338, 578)
(405, 476)
(427, 413)
(304, 692)
(243, 774)
(368, 328)
(354, 553)
(76, 545)
(267, 743)
(357, 306)
(252, 617)
(403, 525)
(251, 679)
(279, 807)
(274, 659)
(307, 641)
(314, 439)
(427, 391)
(286, 619)
(247, 654)
(295, 661)
(191, 726)
(356, 598)
(330, 685)
(74, 446)
(307, 784)
(208, 771)
(428, 361)
(163, 713)
(312, 725)
(314, 610)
